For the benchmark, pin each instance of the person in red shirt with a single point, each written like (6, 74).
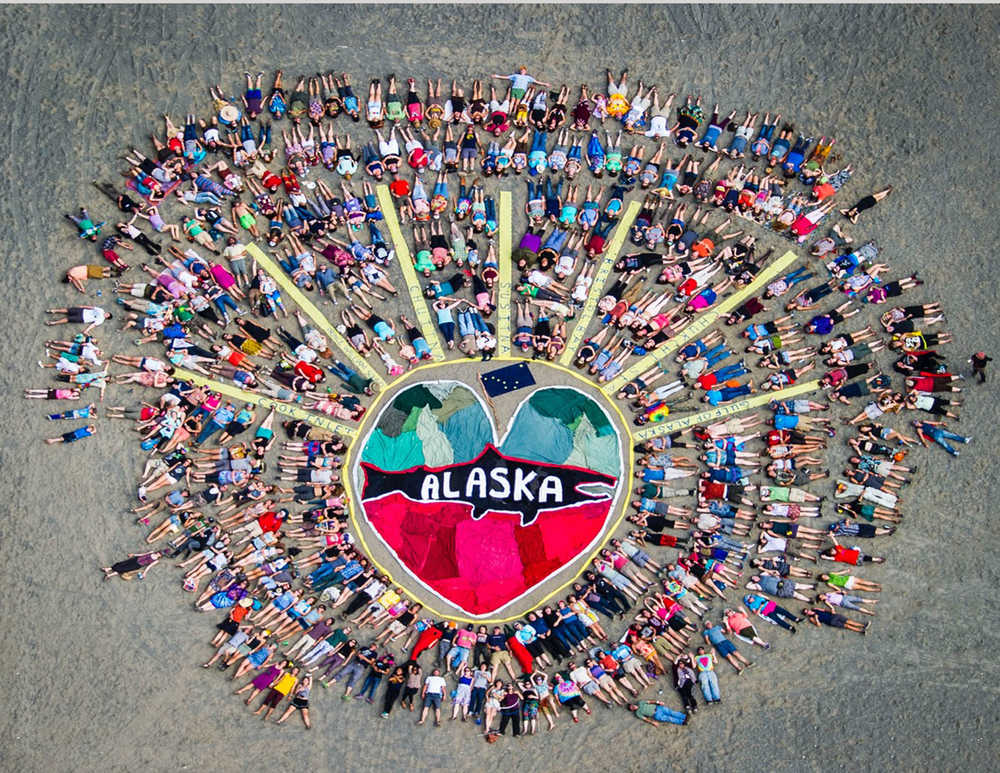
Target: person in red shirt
(727, 375)
(310, 372)
(933, 382)
(750, 308)
(786, 437)
(267, 522)
(851, 556)
(709, 490)
(400, 188)
(271, 521)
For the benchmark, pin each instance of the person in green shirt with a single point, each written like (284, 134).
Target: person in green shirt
(849, 582)
(88, 228)
(656, 712)
(326, 649)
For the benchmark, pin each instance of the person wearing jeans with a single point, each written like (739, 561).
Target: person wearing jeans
(655, 712)
(716, 354)
(480, 681)
(771, 612)
(936, 431)
(373, 679)
(725, 394)
(707, 678)
(574, 629)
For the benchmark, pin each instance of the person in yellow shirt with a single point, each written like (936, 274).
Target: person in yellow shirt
(279, 691)
(389, 597)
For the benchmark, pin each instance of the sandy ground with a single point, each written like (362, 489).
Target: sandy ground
(103, 676)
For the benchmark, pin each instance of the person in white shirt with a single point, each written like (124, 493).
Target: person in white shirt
(433, 693)
(91, 316)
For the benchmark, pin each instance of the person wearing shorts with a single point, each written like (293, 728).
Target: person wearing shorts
(716, 636)
(433, 693)
(496, 642)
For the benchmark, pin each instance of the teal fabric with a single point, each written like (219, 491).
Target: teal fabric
(537, 437)
(568, 405)
(393, 453)
(415, 397)
(593, 451)
(468, 431)
(437, 447)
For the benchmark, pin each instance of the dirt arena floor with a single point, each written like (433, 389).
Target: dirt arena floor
(105, 676)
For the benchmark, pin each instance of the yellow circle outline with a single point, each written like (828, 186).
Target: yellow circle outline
(351, 499)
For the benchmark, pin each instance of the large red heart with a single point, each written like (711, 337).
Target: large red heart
(485, 531)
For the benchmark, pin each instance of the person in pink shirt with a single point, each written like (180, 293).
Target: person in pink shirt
(462, 644)
(738, 624)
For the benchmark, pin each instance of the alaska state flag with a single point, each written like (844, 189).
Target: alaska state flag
(507, 379)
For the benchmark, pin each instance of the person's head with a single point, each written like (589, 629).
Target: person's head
(701, 650)
(633, 707)
(436, 672)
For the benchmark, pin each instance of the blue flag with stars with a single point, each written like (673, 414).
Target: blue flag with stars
(507, 379)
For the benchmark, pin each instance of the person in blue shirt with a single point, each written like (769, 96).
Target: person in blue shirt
(725, 394)
(73, 435)
(220, 419)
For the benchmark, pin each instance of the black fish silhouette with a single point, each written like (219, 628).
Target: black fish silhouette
(492, 481)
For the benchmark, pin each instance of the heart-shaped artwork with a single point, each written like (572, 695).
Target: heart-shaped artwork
(481, 521)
